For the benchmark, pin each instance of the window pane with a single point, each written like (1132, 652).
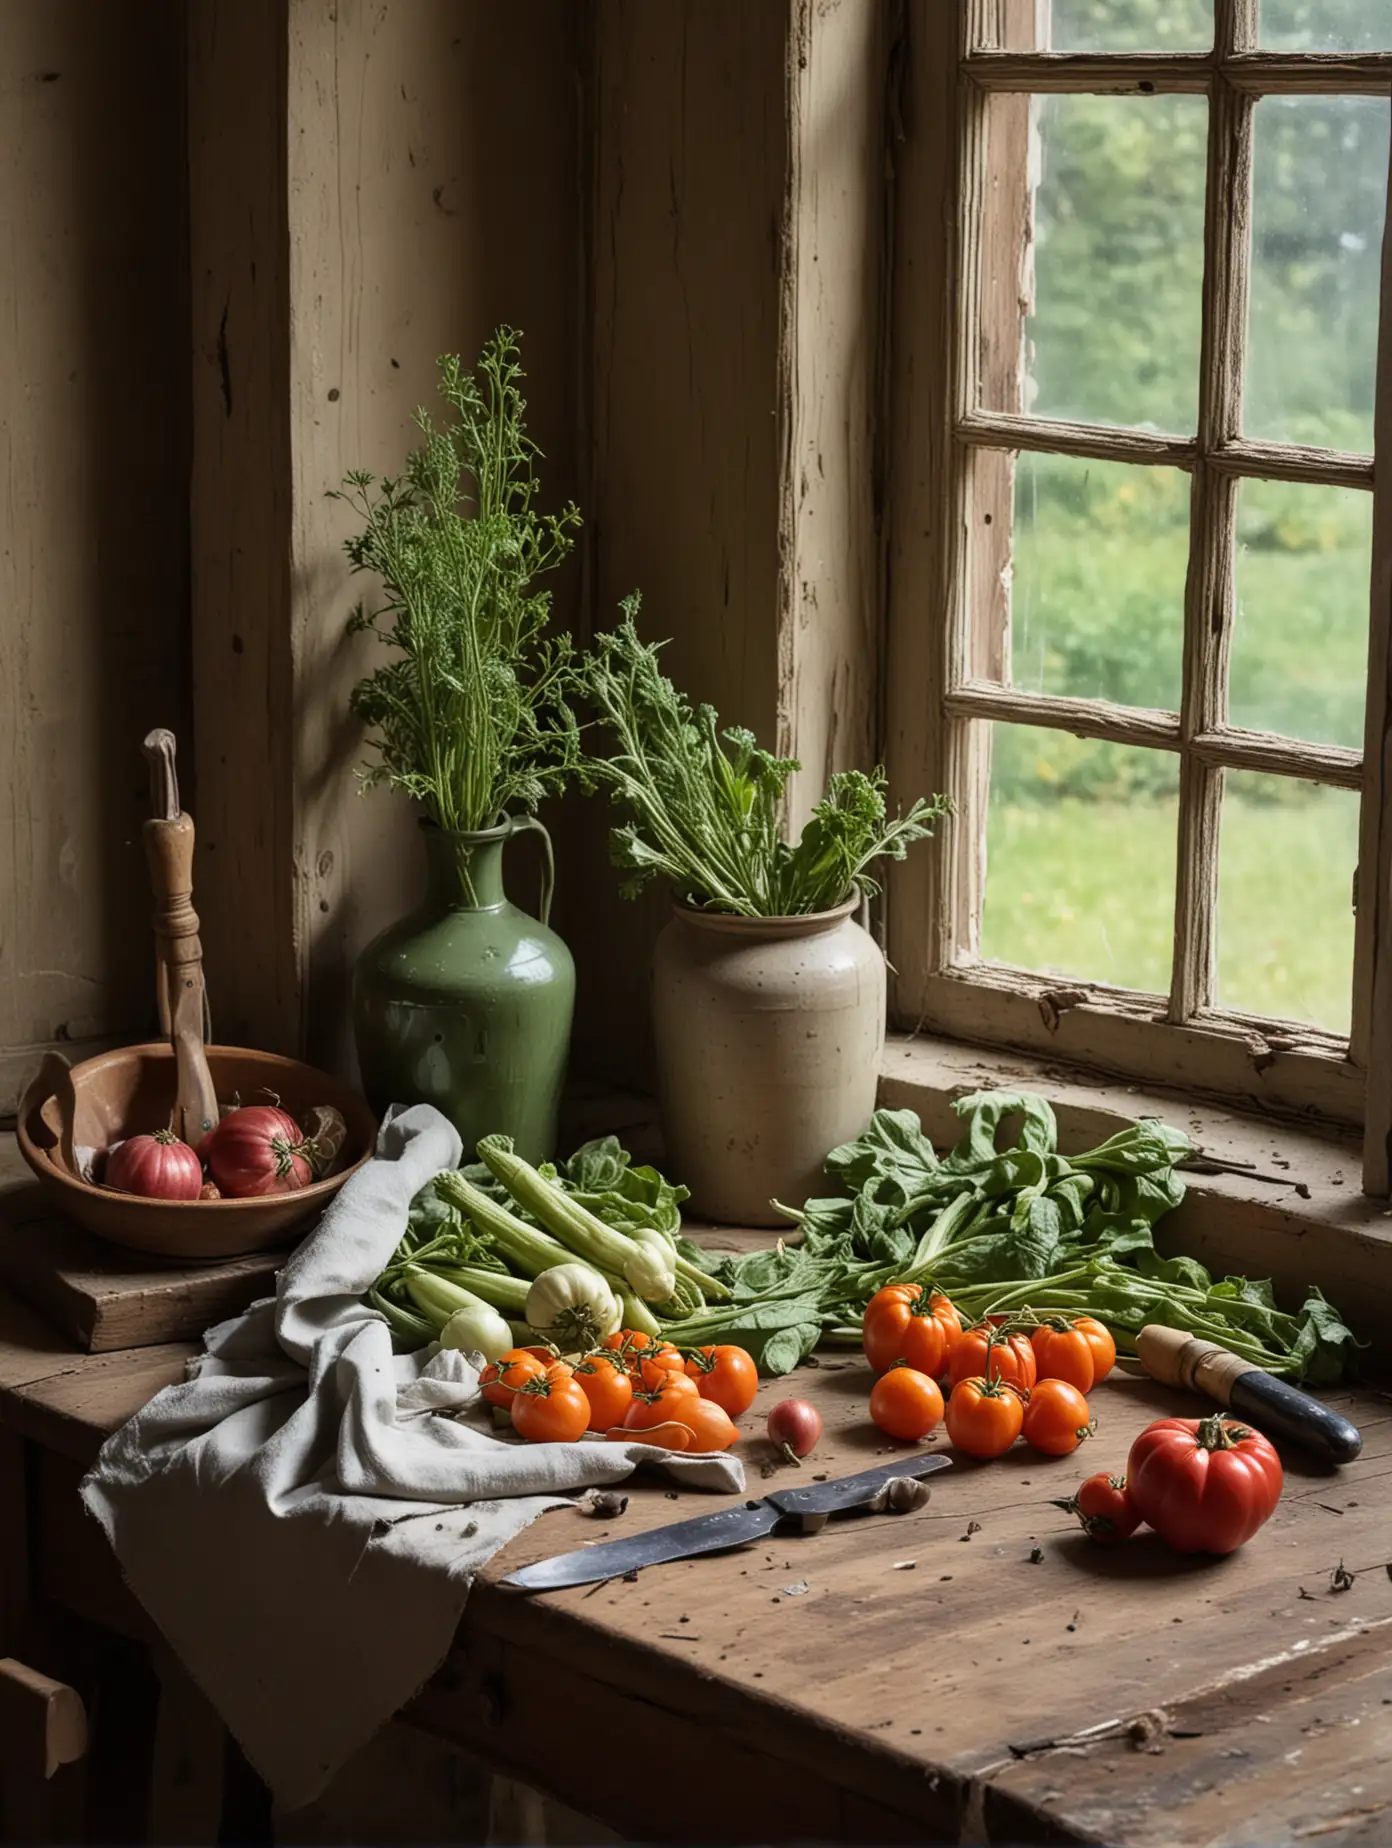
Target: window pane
(1319, 178)
(1285, 898)
(1080, 844)
(1300, 644)
(1111, 327)
(1131, 25)
(1097, 597)
(1326, 25)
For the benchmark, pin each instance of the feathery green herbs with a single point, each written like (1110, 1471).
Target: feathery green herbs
(470, 718)
(702, 806)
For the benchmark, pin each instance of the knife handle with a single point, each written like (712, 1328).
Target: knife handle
(853, 1491)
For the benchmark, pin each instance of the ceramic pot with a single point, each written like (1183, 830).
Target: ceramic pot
(768, 1036)
(467, 1002)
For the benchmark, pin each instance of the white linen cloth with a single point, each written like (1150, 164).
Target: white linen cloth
(303, 1517)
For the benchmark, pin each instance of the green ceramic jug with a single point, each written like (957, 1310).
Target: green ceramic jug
(466, 1003)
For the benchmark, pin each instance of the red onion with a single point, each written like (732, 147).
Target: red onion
(795, 1426)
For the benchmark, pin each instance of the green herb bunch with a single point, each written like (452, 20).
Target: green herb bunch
(702, 806)
(470, 718)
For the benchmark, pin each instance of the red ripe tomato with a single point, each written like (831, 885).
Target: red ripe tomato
(550, 1411)
(726, 1376)
(989, 1353)
(902, 1322)
(1062, 1351)
(501, 1380)
(1103, 1506)
(1056, 1418)
(258, 1150)
(1204, 1484)
(157, 1167)
(604, 1380)
(984, 1416)
(906, 1404)
(635, 1347)
(1099, 1338)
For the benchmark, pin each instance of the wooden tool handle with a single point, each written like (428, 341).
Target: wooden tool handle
(169, 839)
(1274, 1406)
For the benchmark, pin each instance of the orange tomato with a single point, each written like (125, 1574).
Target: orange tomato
(711, 1426)
(902, 1322)
(659, 1360)
(986, 1352)
(1102, 1345)
(984, 1416)
(725, 1375)
(1063, 1352)
(906, 1404)
(604, 1380)
(662, 1402)
(551, 1410)
(1056, 1419)
(501, 1380)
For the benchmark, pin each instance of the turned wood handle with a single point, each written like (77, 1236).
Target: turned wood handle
(169, 839)
(43, 1723)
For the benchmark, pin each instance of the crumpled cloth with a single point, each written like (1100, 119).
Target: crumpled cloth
(300, 1519)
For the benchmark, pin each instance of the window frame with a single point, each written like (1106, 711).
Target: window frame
(939, 676)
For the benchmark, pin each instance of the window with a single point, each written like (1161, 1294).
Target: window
(1132, 538)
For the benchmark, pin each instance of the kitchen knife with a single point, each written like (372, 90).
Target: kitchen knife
(714, 1533)
(1274, 1406)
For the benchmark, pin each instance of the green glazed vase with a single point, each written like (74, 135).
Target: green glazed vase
(466, 1003)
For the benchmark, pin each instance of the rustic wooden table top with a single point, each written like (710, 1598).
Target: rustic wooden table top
(977, 1670)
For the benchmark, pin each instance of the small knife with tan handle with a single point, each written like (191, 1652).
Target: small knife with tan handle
(1274, 1406)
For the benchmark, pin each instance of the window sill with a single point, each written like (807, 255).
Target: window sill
(1285, 1201)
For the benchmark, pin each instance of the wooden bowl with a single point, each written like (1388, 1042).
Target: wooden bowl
(131, 1092)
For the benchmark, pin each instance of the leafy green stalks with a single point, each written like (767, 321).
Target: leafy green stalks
(703, 806)
(470, 717)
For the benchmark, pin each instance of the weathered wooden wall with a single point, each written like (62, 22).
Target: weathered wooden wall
(93, 543)
(235, 272)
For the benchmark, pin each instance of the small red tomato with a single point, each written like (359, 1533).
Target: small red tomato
(1056, 1418)
(725, 1375)
(501, 1381)
(157, 1167)
(906, 1404)
(1104, 1508)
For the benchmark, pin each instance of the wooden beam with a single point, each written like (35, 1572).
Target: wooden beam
(830, 361)
(239, 515)
(1154, 73)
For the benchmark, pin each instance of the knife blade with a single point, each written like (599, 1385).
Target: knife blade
(718, 1532)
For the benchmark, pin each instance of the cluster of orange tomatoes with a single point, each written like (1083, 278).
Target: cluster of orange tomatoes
(632, 1388)
(1004, 1377)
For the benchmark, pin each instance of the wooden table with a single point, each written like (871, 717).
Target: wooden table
(977, 1670)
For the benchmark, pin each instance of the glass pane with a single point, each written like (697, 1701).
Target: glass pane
(1110, 330)
(1131, 25)
(1326, 25)
(1097, 596)
(1319, 179)
(1285, 898)
(1080, 844)
(1300, 644)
